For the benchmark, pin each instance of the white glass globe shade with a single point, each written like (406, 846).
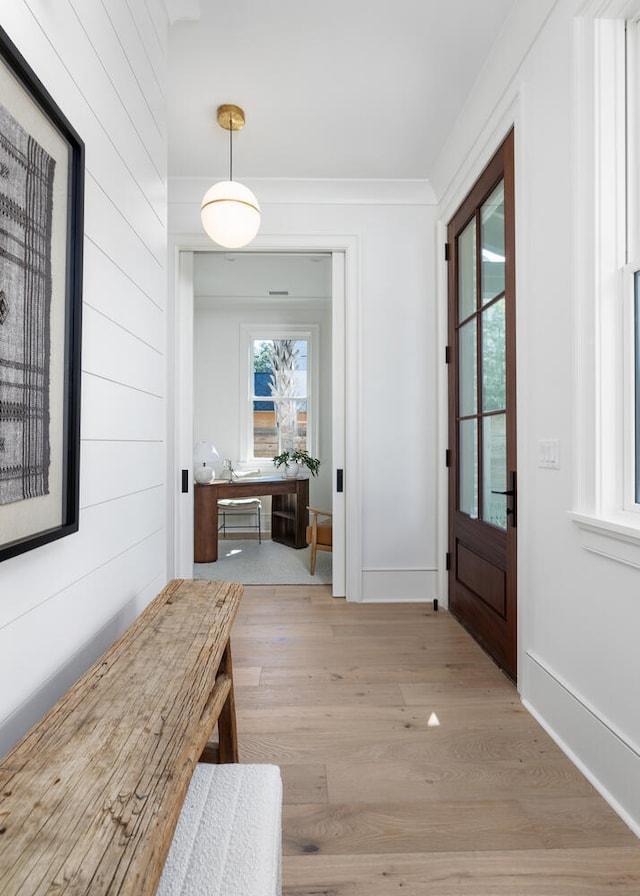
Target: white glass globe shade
(205, 453)
(230, 214)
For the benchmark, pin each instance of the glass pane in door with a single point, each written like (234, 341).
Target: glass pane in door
(468, 368)
(494, 473)
(494, 362)
(492, 245)
(467, 271)
(468, 469)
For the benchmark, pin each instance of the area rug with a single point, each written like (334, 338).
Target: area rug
(249, 563)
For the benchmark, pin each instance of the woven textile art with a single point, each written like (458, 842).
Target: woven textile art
(26, 201)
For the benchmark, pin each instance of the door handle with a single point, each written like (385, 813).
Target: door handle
(513, 494)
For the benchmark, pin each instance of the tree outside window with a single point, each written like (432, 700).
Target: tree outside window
(280, 395)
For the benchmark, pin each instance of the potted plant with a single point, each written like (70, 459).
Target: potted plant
(294, 460)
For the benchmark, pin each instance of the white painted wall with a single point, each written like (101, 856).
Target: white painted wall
(218, 384)
(395, 342)
(579, 612)
(63, 604)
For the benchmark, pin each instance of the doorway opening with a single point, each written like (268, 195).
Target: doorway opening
(344, 388)
(254, 310)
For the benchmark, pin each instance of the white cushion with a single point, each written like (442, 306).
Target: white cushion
(240, 503)
(228, 840)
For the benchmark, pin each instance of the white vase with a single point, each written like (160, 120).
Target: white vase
(291, 470)
(203, 474)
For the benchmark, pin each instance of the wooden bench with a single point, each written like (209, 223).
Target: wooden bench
(90, 797)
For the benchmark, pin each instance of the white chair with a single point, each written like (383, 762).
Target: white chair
(235, 507)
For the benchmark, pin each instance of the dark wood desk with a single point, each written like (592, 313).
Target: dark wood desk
(289, 515)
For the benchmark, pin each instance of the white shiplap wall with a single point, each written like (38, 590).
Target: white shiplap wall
(104, 62)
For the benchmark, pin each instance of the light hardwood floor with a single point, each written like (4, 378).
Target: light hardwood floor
(409, 764)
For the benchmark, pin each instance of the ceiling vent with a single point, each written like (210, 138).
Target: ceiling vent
(278, 292)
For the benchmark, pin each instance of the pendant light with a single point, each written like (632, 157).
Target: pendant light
(230, 212)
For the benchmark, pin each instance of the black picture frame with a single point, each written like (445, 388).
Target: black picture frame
(41, 253)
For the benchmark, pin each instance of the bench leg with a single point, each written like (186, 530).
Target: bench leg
(227, 729)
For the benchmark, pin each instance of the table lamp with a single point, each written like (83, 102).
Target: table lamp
(204, 457)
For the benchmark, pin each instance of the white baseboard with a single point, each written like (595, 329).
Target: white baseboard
(603, 756)
(399, 585)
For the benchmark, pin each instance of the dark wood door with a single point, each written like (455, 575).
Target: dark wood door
(482, 412)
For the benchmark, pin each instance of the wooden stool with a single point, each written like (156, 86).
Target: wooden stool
(320, 537)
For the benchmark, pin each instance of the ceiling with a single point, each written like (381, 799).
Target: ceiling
(331, 89)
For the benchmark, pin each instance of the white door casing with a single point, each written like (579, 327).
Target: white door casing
(345, 402)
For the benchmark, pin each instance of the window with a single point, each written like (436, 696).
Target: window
(280, 395)
(280, 413)
(607, 304)
(632, 278)
(636, 351)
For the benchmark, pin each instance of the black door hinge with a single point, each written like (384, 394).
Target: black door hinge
(447, 355)
(446, 251)
(447, 561)
(447, 457)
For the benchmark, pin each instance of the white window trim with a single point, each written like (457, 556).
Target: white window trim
(604, 502)
(251, 332)
(633, 262)
(629, 391)
(633, 136)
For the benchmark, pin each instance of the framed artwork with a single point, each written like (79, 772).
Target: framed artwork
(41, 234)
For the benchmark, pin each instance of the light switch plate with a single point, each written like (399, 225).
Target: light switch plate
(549, 454)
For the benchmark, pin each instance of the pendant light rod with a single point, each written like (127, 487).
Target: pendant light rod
(231, 118)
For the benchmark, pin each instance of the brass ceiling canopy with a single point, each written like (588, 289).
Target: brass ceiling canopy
(230, 117)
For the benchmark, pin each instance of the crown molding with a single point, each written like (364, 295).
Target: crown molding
(286, 191)
(182, 10)
(611, 9)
